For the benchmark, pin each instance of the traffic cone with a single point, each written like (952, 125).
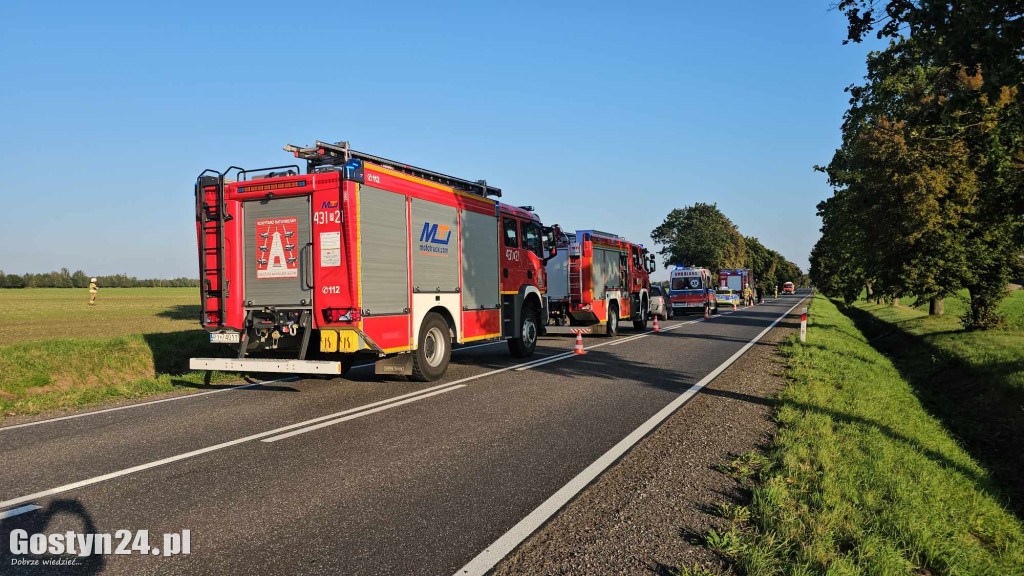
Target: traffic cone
(656, 328)
(734, 306)
(578, 349)
(707, 312)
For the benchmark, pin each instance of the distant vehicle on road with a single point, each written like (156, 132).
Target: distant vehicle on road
(692, 290)
(788, 288)
(735, 279)
(659, 303)
(596, 279)
(727, 296)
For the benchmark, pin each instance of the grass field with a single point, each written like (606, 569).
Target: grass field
(1012, 308)
(57, 313)
(862, 478)
(61, 353)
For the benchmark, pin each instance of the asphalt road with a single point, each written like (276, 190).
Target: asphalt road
(359, 476)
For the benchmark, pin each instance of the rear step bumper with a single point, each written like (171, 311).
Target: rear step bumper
(265, 365)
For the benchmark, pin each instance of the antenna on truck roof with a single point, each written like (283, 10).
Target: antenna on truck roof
(324, 154)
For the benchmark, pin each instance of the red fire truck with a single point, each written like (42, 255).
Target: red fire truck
(735, 279)
(595, 279)
(375, 256)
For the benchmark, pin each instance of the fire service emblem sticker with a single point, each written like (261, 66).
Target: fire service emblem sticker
(277, 250)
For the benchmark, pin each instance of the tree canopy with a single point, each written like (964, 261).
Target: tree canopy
(701, 235)
(928, 178)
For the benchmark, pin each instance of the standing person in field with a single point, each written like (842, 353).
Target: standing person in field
(93, 288)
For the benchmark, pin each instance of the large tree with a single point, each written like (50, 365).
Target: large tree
(700, 235)
(934, 147)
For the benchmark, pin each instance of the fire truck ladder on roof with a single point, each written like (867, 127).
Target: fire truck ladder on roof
(211, 218)
(324, 154)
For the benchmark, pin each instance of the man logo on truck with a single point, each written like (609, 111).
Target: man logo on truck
(434, 239)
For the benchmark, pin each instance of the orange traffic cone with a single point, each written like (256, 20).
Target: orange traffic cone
(578, 349)
(656, 328)
(707, 312)
(733, 305)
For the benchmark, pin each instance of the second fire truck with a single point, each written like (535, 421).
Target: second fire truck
(376, 257)
(596, 279)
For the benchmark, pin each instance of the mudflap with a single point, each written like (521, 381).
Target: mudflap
(595, 329)
(399, 364)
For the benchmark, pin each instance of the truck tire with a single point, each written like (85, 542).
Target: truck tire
(641, 324)
(523, 345)
(613, 322)
(434, 350)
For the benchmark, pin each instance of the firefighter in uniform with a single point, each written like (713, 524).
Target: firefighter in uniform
(92, 291)
(748, 296)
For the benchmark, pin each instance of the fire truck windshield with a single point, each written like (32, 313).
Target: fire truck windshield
(531, 238)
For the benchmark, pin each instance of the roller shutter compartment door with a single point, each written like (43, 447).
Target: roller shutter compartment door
(384, 270)
(480, 261)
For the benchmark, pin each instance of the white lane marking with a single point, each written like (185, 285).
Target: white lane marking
(151, 402)
(201, 451)
(360, 415)
(16, 511)
(194, 453)
(491, 555)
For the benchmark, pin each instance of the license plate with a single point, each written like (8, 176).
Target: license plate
(348, 341)
(224, 337)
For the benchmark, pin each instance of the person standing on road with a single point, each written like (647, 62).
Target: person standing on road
(92, 291)
(747, 297)
(760, 293)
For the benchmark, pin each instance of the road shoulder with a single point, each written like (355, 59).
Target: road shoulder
(638, 516)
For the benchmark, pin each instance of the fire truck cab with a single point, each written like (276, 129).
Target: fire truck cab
(692, 290)
(377, 258)
(596, 279)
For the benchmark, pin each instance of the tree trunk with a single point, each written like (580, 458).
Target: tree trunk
(880, 301)
(870, 292)
(895, 302)
(936, 307)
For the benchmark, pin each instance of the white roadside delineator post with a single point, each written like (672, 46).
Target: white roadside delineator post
(803, 324)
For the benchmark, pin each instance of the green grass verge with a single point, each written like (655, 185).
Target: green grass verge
(71, 373)
(861, 479)
(60, 353)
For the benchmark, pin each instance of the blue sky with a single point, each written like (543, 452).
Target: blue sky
(601, 115)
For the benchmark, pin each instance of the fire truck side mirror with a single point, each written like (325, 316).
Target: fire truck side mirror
(651, 263)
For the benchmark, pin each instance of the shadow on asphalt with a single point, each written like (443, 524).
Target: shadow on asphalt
(69, 514)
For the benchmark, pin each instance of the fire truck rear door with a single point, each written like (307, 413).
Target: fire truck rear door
(277, 252)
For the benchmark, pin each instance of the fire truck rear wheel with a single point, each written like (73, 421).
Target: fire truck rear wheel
(524, 345)
(613, 322)
(430, 360)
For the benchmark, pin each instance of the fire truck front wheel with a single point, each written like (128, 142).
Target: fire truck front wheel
(523, 345)
(641, 323)
(430, 360)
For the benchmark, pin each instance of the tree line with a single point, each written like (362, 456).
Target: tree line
(701, 235)
(80, 279)
(927, 184)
